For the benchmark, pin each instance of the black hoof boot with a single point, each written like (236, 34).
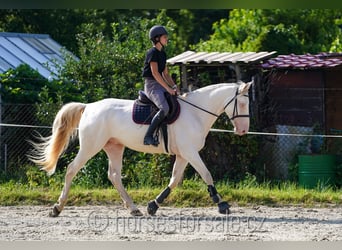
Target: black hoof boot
(55, 212)
(152, 208)
(224, 207)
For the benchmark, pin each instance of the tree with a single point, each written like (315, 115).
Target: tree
(112, 67)
(19, 90)
(296, 31)
(63, 25)
(194, 25)
(21, 85)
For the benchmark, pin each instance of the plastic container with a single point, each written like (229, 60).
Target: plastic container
(316, 170)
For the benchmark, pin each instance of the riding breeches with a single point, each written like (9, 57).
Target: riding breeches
(156, 93)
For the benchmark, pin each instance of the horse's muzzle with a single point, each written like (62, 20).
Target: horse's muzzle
(240, 133)
(241, 126)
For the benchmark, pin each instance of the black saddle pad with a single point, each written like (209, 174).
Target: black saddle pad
(144, 109)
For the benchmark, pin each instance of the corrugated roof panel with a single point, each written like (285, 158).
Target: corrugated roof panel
(210, 56)
(243, 57)
(191, 58)
(40, 47)
(259, 56)
(24, 57)
(231, 57)
(219, 57)
(51, 44)
(179, 57)
(24, 46)
(204, 57)
(55, 57)
(39, 51)
(4, 66)
(9, 57)
(225, 57)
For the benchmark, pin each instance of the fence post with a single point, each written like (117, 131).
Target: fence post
(5, 156)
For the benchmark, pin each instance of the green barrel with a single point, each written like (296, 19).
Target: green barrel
(316, 170)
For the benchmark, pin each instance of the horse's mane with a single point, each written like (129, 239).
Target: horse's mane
(206, 88)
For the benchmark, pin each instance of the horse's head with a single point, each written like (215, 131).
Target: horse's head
(237, 109)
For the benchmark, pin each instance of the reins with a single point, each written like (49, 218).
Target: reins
(194, 105)
(235, 111)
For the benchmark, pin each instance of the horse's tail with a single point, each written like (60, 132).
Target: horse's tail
(47, 152)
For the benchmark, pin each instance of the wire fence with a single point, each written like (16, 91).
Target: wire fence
(15, 133)
(277, 156)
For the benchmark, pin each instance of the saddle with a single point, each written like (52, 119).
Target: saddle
(144, 110)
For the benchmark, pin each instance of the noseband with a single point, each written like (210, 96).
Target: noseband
(235, 111)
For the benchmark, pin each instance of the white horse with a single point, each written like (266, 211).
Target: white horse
(108, 125)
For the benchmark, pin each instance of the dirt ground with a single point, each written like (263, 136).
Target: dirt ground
(102, 223)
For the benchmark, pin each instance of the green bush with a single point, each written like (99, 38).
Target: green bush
(94, 173)
(141, 170)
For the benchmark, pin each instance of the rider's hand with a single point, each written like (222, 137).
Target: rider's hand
(173, 91)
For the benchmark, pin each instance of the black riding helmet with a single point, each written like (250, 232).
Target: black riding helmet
(156, 32)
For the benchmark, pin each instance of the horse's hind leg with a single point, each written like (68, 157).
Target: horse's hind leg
(72, 170)
(114, 152)
(177, 173)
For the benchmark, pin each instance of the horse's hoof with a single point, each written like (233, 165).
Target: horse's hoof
(152, 208)
(136, 212)
(55, 212)
(224, 207)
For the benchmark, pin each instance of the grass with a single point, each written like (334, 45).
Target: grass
(192, 193)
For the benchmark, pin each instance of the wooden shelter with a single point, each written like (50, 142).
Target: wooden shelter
(306, 89)
(304, 96)
(203, 68)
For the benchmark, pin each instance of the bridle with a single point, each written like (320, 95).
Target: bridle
(235, 110)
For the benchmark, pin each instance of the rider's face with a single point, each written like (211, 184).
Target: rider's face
(164, 40)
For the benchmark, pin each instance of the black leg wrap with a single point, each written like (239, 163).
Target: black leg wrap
(224, 207)
(213, 193)
(161, 197)
(152, 207)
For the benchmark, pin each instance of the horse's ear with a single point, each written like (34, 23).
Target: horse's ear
(244, 87)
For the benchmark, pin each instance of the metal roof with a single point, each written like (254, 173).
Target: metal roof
(39, 51)
(307, 61)
(219, 57)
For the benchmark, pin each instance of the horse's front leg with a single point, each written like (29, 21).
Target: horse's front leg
(196, 161)
(115, 154)
(177, 173)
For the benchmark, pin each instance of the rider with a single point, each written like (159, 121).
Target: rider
(157, 80)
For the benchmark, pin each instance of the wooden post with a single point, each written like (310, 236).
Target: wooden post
(237, 72)
(184, 82)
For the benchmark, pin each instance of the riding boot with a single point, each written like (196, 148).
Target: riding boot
(157, 119)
